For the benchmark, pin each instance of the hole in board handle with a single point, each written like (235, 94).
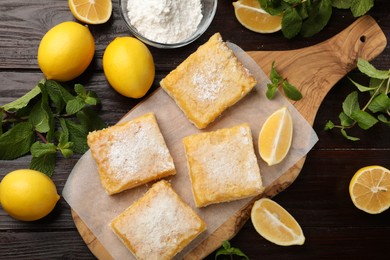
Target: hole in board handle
(363, 38)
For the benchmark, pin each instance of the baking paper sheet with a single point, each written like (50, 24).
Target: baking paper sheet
(89, 200)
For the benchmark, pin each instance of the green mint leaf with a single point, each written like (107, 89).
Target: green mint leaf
(226, 244)
(23, 101)
(78, 136)
(352, 138)
(380, 103)
(16, 141)
(302, 10)
(91, 101)
(63, 136)
(319, 15)
(361, 7)
(57, 91)
(384, 120)
(362, 88)
(45, 164)
(238, 252)
(90, 120)
(39, 149)
(275, 77)
(345, 120)
(291, 91)
(1, 121)
(291, 23)
(271, 91)
(351, 104)
(342, 4)
(41, 114)
(67, 153)
(366, 68)
(80, 90)
(364, 119)
(75, 105)
(293, 2)
(273, 7)
(329, 125)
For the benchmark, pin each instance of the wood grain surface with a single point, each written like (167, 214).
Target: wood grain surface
(318, 198)
(314, 70)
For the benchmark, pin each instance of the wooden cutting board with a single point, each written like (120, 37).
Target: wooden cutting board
(314, 70)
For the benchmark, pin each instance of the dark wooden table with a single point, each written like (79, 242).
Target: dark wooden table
(318, 199)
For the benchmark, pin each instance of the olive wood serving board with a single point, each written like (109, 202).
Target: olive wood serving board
(314, 70)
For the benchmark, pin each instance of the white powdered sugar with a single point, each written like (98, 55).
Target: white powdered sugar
(165, 21)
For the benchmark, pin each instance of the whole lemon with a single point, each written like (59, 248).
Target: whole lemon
(28, 195)
(66, 51)
(129, 67)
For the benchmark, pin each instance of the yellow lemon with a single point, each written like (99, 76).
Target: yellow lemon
(91, 11)
(275, 224)
(28, 195)
(66, 51)
(275, 136)
(253, 17)
(370, 189)
(129, 67)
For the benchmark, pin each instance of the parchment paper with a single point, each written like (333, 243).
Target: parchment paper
(89, 200)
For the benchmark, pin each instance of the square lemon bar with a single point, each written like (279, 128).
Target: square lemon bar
(209, 81)
(159, 225)
(222, 165)
(130, 154)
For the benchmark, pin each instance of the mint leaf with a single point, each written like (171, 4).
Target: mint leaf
(39, 149)
(24, 100)
(291, 23)
(80, 90)
(366, 68)
(273, 7)
(364, 119)
(351, 104)
(362, 88)
(75, 105)
(41, 113)
(384, 120)
(45, 164)
(342, 4)
(275, 77)
(361, 7)
(319, 16)
(90, 120)
(228, 250)
(78, 136)
(329, 125)
(291, 91)
(345, 121)
(380, 103)
(16, 141)
(271, 90)
(352, 138)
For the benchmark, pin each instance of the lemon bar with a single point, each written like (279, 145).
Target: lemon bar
(222, 165)
(158, 225)
(130, 154)
(208, 82)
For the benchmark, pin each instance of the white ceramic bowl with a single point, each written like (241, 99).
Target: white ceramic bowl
(209, 8)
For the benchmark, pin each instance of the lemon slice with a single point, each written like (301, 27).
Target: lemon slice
(91, 11)
(253, 17)
(275, 136)
(370, 189)
(275, 224)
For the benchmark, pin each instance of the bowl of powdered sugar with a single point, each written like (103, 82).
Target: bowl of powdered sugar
(168, 23)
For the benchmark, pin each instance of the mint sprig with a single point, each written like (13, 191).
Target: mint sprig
(227, 249)
(278, 81)
(377, 108)
(309, 17)
(48, 120)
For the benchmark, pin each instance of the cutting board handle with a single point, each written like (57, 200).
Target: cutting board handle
(316, 69)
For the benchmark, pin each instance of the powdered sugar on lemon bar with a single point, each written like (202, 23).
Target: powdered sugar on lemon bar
(130, 154)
